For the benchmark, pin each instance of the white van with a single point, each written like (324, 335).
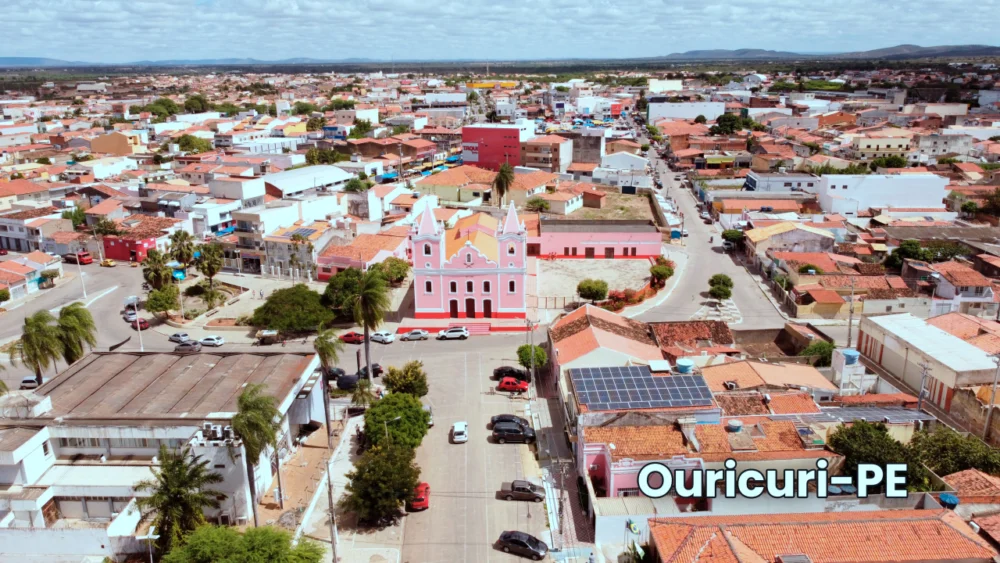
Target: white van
(430, 415)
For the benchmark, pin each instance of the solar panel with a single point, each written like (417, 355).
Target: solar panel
(634, 387)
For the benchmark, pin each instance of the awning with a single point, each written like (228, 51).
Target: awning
(389, 175)
(452, 159)
(425, 173)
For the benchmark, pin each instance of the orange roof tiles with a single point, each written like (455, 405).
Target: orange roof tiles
(961, 275)
(364, 247)
(792, 403)
(589, 328)
(973, 482)
(639, 442)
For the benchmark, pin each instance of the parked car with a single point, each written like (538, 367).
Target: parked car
(416, 334)
(140, 324)
(421, 497)
(728, 245)
(521, 490)
(347, 382)
(334, 373)
(179, 337)
(510, 371)
(29, 383)
(460, 432)
(525, 545)
(213, 341)
(130, 315)
(353, 337)
(3, 252)
(78, 258)
(459, 332)
(189, 346)
(509, 418)
(706, 215)
(504, 432)
(383, 336)
(108, 263)
(512, 385)
(376, 369)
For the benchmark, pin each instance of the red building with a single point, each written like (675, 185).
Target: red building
(488, 145)
(139, 234)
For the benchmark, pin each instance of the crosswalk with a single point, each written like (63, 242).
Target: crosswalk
(726, 311)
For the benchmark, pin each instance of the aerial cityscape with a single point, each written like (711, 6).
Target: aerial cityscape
(470, 294)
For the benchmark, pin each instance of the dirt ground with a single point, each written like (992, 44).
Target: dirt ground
(617, 206)
(558, 278)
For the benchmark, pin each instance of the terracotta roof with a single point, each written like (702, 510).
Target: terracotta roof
(680, 338)
(757, 235)
(582, 167)
(772, 439)
(140, 227)
(964, 326)
(973, 482)
(639, 442)
(11, 279)
(900, 399)
(30, 214)
(826, 296)
(755, 374)
(39, 257)
(364, 247)
(21, 187)
(16, 268)
(826, 261)
(741, 404)
(887, 536)
(105, 207)
(459, 176)
(589, 328)
(961, 275)
(792, 403)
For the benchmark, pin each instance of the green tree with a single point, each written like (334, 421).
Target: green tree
(644, 147)
(528, 355)
(908, 249)
(328, 347)
(315, 124)
(732, 235)
(194, 145)
(316, 156)
(197, 104)
(361, 129)
(163, 300)
(394, 270)
(222, 544)
(970, 208)
(945, 451)
(292, 309)
(893, 161)
(41, 343)
(865, 442)
(537, 205)
(210, 261)
(472, 97)
(661, 274)
(256, 423)
(76, 328)
(410, 378)
(178, 495)
(44, 160)
(303, 108)
(381, 421)
(77, 215)
(339, 290)
(104, 227)
(400, 130)
(363, 394)
(595, 290)
(700, 119)
(155, 270)
(502, 182)
(720, 292)
(182, 247)
(339, 104)
(721, 280)
(806, 268)
(355, 185)
(369, 304)
(381, 483)
(4, 295)
(948, 160)
(822, 349)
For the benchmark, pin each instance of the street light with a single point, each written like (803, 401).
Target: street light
(150, 537)
(385, 423)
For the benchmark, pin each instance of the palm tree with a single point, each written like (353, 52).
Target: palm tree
(155, 270)
(369, 304)
(76, 328)
(328, 348)
(363, 396)
(211, 261)
(178, 495)
(502, 182)
(40, 345)
(257, 422)
(182, 247)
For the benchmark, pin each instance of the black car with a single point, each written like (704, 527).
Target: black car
(334, 374)
(347, 382)
(504, 432)
(525, 545)
(376, 369)
(509, 418)
(509, 371)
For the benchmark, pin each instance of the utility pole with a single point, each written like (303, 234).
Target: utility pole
(993, 395)
(333, 509)
(80, 270)
(850, 318)
(923, 377)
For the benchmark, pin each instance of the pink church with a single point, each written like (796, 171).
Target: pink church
(475, 270)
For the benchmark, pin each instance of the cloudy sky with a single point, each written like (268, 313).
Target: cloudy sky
(115, 31)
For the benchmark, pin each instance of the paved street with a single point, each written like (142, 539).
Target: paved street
(689, 298)
(465, 517)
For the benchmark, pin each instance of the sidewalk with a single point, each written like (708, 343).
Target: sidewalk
(679, 257)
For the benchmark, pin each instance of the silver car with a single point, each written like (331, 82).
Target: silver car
(179, 337)
(416, 334)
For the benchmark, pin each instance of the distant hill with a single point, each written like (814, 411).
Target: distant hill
(898, 52)
(719, 54)
(34, 62)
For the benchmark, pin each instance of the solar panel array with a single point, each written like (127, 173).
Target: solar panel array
(634, 387)
(302, 231)
(896, 415)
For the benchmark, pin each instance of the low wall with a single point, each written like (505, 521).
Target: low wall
(970, 412)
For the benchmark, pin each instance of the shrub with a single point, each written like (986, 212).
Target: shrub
(805, 269)
(524, 356)
(663, 261)
(720, 292)
(595, 290)
(4, 295)
(721, 280)
(661, 274)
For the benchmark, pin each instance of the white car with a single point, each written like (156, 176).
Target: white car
(460, 432)
(213, 341)
(130, 316)
(179, 337)
(383, 336)
(415, 334)
(459, 332)
(29, 383)
(706, 215)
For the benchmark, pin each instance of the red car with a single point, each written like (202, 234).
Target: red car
(513, 385)
(3, 252)
(140, 324)
(421, 497)
(353, 338)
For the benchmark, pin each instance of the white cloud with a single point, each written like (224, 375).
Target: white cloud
(130, 30)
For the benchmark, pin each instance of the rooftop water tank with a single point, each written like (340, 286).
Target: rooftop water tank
(850, 356)
(948, 501)
(734, 425)
(684, 365)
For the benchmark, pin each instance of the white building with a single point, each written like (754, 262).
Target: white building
(657, 86)
(250, 191)
(930, 146)
(276, 145)
(72, 451)
(213, 215)
(624, 161)
(103, 168)
(849, 194)
(298, 180)
(684, 110)
(356, 114)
